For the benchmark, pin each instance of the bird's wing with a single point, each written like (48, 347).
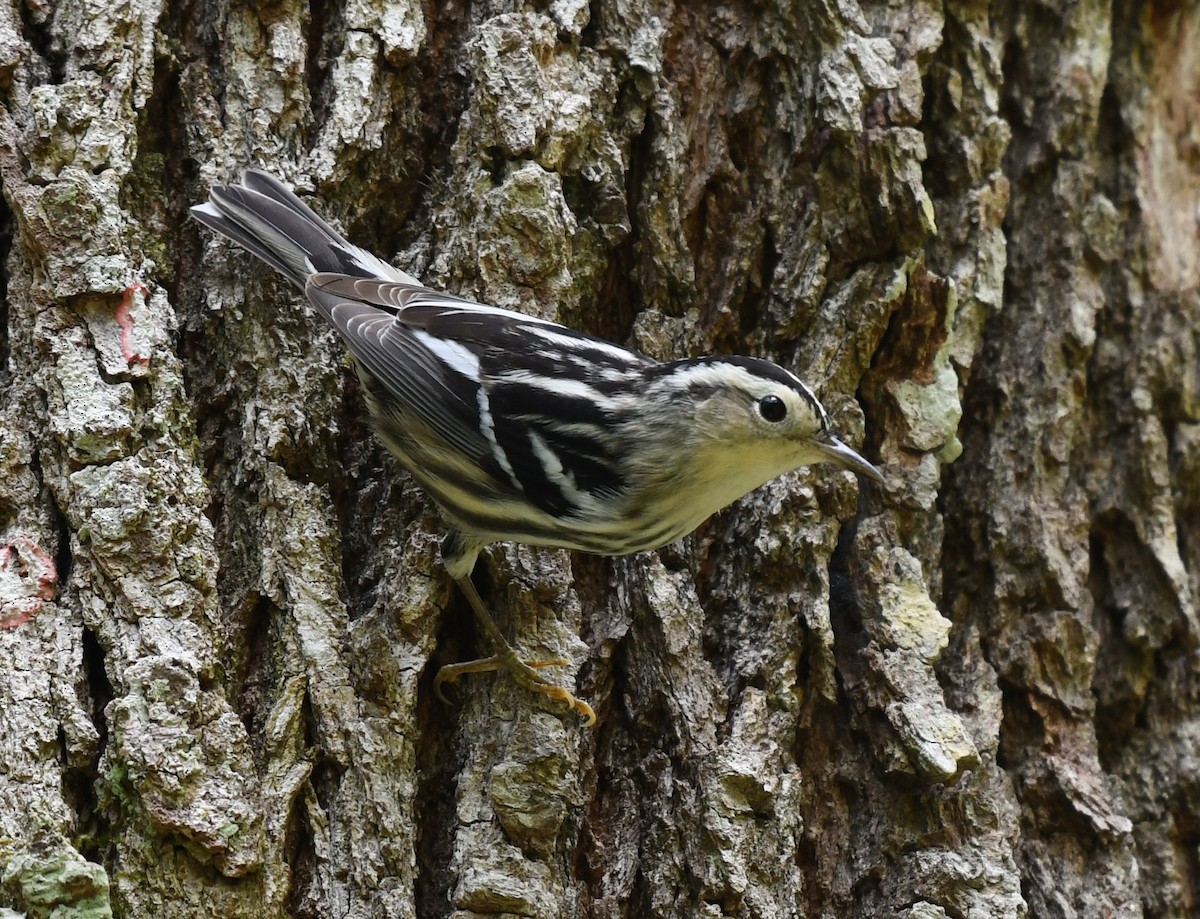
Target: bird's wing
(437, 381)
(530, 396)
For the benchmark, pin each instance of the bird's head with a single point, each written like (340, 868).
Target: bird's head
(760, 419)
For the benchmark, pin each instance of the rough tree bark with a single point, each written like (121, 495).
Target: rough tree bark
(972, 693)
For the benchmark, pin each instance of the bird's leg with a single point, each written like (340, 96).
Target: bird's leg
(525, 673)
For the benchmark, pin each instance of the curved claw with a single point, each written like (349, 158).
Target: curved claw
(558, 693)
(451, 672)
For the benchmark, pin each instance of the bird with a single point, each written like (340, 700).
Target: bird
(523, 430)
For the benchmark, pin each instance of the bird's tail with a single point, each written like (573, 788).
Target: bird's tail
(263, 216)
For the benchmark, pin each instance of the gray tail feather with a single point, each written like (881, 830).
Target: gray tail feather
(267, 219)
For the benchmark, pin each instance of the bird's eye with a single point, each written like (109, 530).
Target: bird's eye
(772, 408)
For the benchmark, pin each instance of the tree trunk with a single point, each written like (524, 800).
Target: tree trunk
(970, 693)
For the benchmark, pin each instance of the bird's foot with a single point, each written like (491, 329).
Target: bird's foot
(526, 675)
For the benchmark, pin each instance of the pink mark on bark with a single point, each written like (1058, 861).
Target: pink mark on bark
(28, 578)
(125, 321)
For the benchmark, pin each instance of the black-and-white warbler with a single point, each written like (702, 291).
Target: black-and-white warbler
(523, 430)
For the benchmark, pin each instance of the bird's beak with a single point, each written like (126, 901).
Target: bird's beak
(836, 452)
